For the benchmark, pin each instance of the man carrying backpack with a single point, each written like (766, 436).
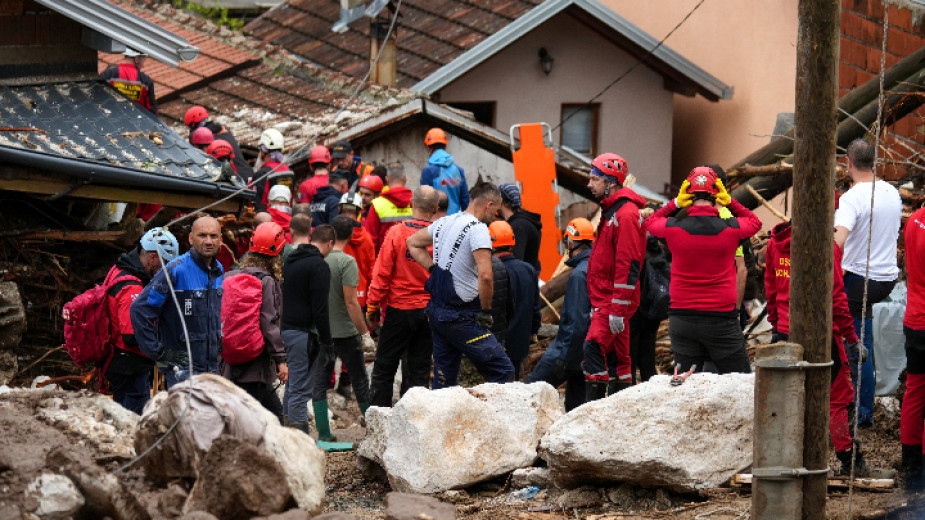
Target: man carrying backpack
(127, 368)
(194, 279)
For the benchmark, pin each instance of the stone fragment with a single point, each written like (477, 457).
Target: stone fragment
(524, 477)
(685, 438)
(56, 495)
(404, 506)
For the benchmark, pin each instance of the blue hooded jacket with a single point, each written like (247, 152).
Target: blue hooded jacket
(443, 174)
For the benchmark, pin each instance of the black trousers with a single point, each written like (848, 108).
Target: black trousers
(266, 395)
(643, 333)
(694, 339)
(405, 335)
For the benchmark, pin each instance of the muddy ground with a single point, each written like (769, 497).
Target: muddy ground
(26, 441)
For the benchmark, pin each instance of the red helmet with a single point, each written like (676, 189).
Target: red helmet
(502, 235)
(372, 182)
(220, 149)
(268, 239)
(319, 154)
(202, 136)
(611, 165)
(195, 115)
(435, 135)
(703, 180)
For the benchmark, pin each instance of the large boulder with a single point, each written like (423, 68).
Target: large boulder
(95, 418)
(688, 437)
(216, 407)
(455, 437)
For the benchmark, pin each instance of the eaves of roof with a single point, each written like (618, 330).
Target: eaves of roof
(685, 70)
(126, 28)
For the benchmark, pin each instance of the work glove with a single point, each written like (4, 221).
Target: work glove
(722, 197)
(684, 199)
(174, 357)
(857, 351)
(483, 319)
(368, 344)
(616, 324)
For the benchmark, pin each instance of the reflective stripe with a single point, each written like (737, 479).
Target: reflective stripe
(620, 302)
(473, 340)
(623, 286)
(389, 212)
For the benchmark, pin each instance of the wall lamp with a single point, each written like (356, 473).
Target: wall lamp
(546, 61)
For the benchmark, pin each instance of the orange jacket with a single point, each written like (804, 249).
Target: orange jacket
(362, 250)
(398, 280)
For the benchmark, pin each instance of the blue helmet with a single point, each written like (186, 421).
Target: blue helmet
(160, 240)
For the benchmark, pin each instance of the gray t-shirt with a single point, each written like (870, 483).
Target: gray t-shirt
(344, 271)
(455, 238)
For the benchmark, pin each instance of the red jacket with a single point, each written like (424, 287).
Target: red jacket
(777, 287)
(121, 296)
(362, 250)
(703, 246)
(914, 236)
(398, 280)
(309, 187)
(617, 254)
(386, 210)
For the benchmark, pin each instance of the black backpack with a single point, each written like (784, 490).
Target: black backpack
(654, 298)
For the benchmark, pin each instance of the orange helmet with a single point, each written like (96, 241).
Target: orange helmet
(319, 154)
(703, 180)
(268, 239)
(371, 182)
(502, 234)
(434, 136)
(579, 229)
(195, 115)
(220, 149)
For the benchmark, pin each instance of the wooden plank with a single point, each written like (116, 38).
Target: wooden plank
(73, 236)
(869, 484)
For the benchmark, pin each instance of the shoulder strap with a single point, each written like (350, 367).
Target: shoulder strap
(607, 215)
(120, 281)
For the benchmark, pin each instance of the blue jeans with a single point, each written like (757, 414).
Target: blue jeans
(301, 353)
(455, 333)
(868, 379)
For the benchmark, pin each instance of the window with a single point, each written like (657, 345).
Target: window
(579, 127)
(484, 112)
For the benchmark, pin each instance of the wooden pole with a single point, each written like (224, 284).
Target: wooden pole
(813, 202)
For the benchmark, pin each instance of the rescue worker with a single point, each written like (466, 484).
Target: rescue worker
(398, 285)
(128, 370)
(223, 152)
(360, 246)
(703, 320)
(130, 81)
(319, 160)
(389, 208)
(344, 158)
(526, 225)
(841, 398)
(197, 116)
(524, 320)
(279, 209)
(326, 203)
(852, 229)
(442, 173)
(460, 287)
(369, 188)
(306, 328)
(257, 377)
(195, 282)
(202, 137)
(911, 428)
(271, 170)
(561, 363)
(613, 278)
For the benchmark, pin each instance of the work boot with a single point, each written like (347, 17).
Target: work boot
(860, 465)
(616, 385)
(595, 390)
(913, 481)
(322, 422)
(301, 426)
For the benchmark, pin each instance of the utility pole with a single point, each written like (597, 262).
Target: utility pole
(813, 202)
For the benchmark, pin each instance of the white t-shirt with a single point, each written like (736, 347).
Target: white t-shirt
(853, 214)
(455, 238)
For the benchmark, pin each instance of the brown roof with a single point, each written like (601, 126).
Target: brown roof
(431, 33)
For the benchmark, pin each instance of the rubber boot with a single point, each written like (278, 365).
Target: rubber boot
(595, 390)
(321, 421)
(616, 385)
(913, 481)
(301, 426)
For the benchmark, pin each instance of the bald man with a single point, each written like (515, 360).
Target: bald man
(195, 279)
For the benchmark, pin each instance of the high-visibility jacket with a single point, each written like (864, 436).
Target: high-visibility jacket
(388, 209)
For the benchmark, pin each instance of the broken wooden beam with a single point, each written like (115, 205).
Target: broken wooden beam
(881, 485)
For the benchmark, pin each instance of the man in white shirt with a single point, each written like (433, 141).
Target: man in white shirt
(852, 232)
(461, 287)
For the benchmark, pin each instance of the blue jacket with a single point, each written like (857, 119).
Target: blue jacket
(524, 321)
(576, 315)
(156, 320)
(443, 174)
(324, 206)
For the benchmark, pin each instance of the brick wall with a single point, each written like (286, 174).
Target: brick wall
(861, 45)
(36, 41)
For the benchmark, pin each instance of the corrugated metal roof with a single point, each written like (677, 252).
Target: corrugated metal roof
(707, 85)
(126, 28)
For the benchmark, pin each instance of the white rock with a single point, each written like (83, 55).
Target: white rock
(57, 496)
(373, 445)
(303, 462)
(524, 477)
(529, 410)
(686, 438)
(96, 418)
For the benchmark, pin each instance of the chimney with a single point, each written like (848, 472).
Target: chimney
(384, 71)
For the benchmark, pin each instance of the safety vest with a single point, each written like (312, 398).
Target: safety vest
(389, 212)
(128, 84)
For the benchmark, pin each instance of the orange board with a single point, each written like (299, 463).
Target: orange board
(535, 170)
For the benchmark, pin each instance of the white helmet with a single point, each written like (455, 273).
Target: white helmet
(132, 53)
(272, 139)
(280, 193)
(160, 240)
(352, 198)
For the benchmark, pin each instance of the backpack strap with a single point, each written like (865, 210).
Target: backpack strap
(120, 281)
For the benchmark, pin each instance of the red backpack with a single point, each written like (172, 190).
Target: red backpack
(87, 331)
(242, 297)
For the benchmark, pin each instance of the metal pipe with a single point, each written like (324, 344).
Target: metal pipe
(777, 486)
